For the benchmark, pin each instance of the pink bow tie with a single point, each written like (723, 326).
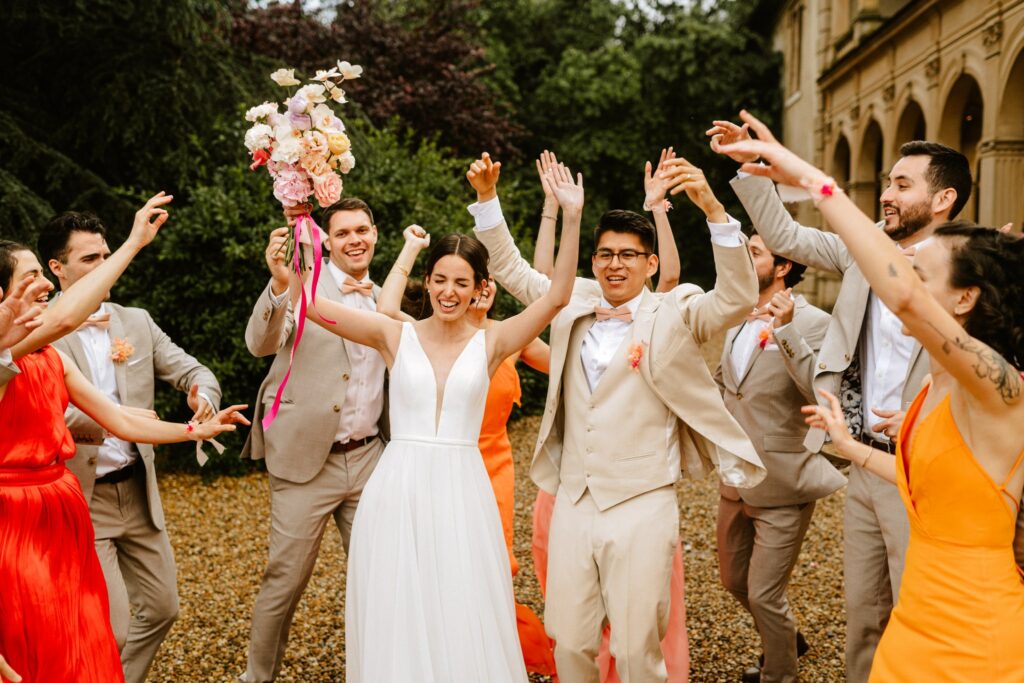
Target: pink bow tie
(364, 288)
(758, 316)
(622, 314)
(98, 320)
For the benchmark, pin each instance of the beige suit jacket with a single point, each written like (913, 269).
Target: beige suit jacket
(826, 251)
(297, 445)
(7, 372)
(155, 356)
(670, 327)
(766, 402)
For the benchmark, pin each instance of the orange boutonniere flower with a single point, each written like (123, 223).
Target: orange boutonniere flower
(764, 336)
(634, 355)
(121, 350)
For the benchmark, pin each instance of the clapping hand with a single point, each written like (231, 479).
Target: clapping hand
(149, 218)
(656, 185)
(568, 193)
(201, 408)
(726, 133)
(682, 176)
(224, 421)
(20, 312)
(416, 236)
(483, 176)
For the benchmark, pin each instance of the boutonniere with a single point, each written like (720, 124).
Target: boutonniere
(764, 336)
(121, 350)
(634, 355)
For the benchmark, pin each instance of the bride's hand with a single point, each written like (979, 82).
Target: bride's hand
(7, 673)
(416, 236)
(785, 166)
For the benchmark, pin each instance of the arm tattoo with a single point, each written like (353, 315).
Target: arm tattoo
(892, 271)
(988, 365)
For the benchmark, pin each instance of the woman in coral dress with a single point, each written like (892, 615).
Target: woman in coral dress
(960, 615)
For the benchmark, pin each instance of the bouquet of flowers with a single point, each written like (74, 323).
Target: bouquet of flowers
(306, 151)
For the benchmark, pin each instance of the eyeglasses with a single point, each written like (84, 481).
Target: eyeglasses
(627, 257)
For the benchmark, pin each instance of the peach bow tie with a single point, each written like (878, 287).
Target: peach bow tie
(99, 320)
(622, 314)
(364, 288)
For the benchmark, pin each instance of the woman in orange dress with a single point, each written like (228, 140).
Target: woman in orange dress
(495, 447)
(960, 614)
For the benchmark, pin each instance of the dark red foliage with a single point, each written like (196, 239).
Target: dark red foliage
(420, 65)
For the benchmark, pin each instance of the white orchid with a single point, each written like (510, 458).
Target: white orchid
(338, 95)
(323, 117)
(284, 77)
(322, 75)
(349, 71)
(260, 112)
(313, 93)
(258, 137)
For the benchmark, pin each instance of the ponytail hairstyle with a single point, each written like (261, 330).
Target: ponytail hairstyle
(468, 248)
(993, 262)
(9, 263)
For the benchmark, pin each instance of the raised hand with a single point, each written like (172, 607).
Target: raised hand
(149, 218)
(20, 312)
(483, 176)
(201, 408)
(416, 236)
(726, 133)
(544, 163)
(786, 167)
(291, 213)
(224, 421)
(568, 193)
(682, 176)
(275, 256)
(656, 186)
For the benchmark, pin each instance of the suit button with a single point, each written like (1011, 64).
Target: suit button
(344, 376)
(821, 366)
(266, 316)
(337, 408)
(92, 460)
(846, 357)
(739, 396)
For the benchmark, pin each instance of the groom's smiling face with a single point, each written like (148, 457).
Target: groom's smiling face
(621, 282)
(352, 240)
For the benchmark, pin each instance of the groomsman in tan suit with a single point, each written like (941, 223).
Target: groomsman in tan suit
(868, 362)
(630, 404)
(326, 440)
(124, 352)
(763, 375)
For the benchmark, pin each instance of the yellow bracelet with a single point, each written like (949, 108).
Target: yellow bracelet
(553, 218)
(401, 269)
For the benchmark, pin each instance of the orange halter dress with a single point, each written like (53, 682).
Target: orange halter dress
(960, 612)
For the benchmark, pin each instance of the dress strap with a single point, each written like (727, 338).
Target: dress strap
(1016, 464)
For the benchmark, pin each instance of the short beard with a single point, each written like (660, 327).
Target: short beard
(765, 281)
(912, 221)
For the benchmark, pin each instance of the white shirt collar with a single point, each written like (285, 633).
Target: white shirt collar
(341, 276)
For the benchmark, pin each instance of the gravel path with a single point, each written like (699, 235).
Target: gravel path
(219, 532)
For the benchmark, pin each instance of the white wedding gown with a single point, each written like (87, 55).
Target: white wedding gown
(429, 596)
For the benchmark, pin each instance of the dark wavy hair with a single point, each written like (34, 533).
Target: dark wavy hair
(54, 236)
(993, 262)
(468, 248)
(9, 263)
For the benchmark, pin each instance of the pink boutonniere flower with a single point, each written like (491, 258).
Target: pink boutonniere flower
(764, 336)
(121, 350)
(634, 355)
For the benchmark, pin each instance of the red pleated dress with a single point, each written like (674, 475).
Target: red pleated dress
(54, 615)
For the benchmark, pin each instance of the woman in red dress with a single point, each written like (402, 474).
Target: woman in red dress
(56, 625)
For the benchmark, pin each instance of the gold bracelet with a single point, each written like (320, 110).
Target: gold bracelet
(544, 215)
(871, 451)
(401, 269)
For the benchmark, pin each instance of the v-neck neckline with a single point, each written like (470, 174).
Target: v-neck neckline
(438, 389)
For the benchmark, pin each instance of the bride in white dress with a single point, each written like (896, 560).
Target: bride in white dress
(429, 595)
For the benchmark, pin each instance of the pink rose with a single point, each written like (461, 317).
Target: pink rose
(327, 189)
(291, 186)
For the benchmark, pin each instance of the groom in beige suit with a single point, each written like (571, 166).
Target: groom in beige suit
(326, 440)
(763, 375)
(868, 362)
(630, 404)
(123, 351)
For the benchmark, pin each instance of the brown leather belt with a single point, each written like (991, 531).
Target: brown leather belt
(351, 444)
(889, 446)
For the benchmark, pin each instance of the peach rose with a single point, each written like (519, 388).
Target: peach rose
(327, 189)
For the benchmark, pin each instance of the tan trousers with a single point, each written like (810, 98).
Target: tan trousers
(298, 517)
(138, 565)
(875, 536)
(614, 565)
(757, 550)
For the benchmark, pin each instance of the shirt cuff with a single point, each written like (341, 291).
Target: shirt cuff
(726, 234)
(276, 299)
(6, 358)
(205, 398)
(487, 214)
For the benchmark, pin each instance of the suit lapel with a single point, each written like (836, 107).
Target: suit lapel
(728, 373)
(78, 355)
(116, 330)
(750, 363)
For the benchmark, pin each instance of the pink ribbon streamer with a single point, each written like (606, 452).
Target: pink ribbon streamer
(314, 231)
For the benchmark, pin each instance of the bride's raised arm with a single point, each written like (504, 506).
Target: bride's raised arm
(512, 334)
(985, 374)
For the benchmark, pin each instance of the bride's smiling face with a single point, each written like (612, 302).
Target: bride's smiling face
(452, 287)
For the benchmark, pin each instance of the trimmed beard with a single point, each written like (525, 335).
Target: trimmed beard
(765, 281)
(912, 220)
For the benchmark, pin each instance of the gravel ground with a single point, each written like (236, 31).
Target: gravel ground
(219, 532)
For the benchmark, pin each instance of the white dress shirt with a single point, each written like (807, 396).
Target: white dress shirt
(885, 360)
(603, 339)
(744, 342)
(114, 454)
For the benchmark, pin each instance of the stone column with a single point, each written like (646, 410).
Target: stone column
(1001, 182)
